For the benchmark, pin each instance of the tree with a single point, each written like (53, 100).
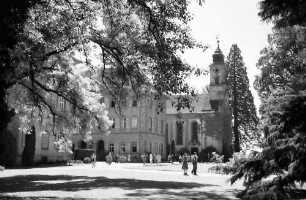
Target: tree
(241, 101)
(283, 12)
(282, 89)
(136, 43)
(29, 148)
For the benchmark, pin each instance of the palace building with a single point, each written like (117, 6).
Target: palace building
(146, 124)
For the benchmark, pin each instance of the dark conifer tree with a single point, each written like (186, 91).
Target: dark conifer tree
(282, 89)
(241, 100)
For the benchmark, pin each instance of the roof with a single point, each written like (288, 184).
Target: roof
(201, 104)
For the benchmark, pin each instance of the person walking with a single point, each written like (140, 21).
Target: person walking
(109, 158)
(170, 158)
(93, 160)
(194, 160)
(144, 158)
(151, 158)
(185, 163)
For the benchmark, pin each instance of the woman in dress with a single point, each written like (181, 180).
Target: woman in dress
(185, 163)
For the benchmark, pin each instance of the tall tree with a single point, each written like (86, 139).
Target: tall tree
(241, 101)
(133, 40)
(282, 89)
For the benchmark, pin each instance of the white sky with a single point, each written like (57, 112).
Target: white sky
(236, 22)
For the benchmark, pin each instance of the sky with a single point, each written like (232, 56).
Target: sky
(235, 22)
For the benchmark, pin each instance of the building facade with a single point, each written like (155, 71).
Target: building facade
(147, 124)
(209, 123)
(138, 127)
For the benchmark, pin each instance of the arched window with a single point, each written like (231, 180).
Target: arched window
(217, 80)
(161, 149)
(122, 147)
(179, 133)
(83, 144)
(172, 148)
(145, 146)
(100, 146)
(194, 131)
(155, 148)
(111, 147)
(150, 123)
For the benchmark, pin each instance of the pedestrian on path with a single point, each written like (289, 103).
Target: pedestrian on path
(194, 160)
(185, 163)
(151, 158)
(109, 158)
(93, 160)
(144, 158)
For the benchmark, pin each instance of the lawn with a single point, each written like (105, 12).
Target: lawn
(116, 181)
(122, 181)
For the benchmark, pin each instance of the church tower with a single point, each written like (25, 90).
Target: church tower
(217, 86)
(218, 96)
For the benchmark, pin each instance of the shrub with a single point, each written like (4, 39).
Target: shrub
(205, 154)
(183, 150)
(216, 158)
(122, 159)
(231, 166)
(101, 155)
(87, 160)
(80, 154)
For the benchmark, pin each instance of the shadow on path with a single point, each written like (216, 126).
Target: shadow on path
(137, 188)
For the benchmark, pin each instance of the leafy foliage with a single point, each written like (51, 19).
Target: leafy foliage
(283, 12)
(216, 158)
(241, 101)
(282, 89)
(230, 167)
(205, 154)
(75, 50)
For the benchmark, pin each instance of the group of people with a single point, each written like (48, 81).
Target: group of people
(157, 159)
(152, 158)
(194, 161)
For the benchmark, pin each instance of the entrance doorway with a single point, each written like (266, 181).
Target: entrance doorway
(194, 149)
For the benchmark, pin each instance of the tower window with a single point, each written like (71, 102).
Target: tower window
(214, 105)
(112, 104)
(217, 80)
(134, 103)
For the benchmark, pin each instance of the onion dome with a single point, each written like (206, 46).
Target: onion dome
(218, 56)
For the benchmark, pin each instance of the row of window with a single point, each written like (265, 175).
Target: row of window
(122, 147)
(124, 122)
(134, 103)
(153, 123)
(157, 148)
(195, 128)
